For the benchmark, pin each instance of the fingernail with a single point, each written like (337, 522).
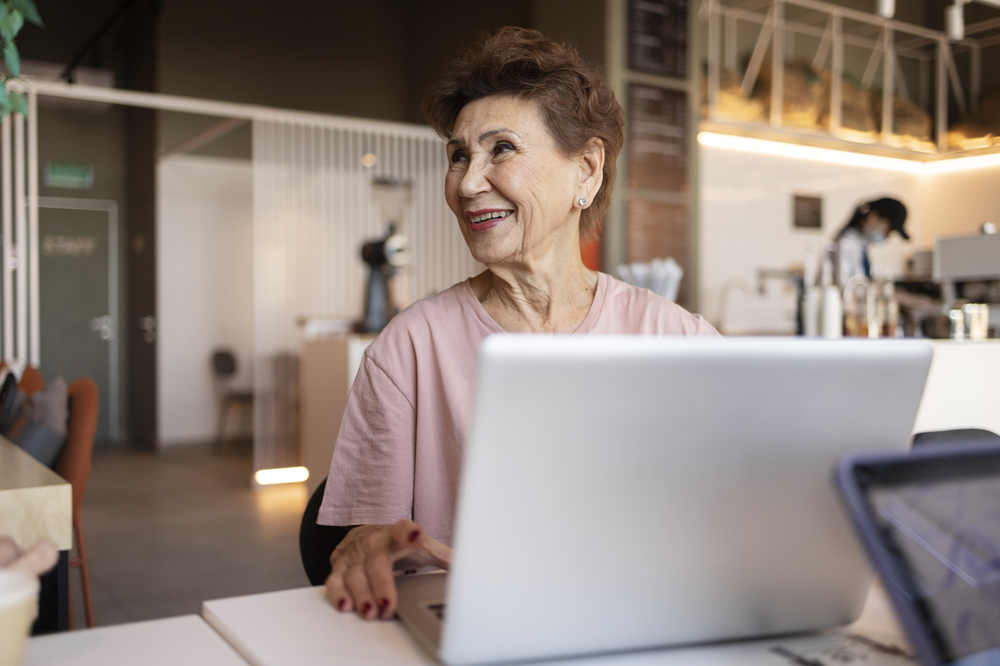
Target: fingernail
(382, 603)
(341, 605)
(414, 536)
(365, 607)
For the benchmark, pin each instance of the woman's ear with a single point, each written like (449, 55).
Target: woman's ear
(591, 160)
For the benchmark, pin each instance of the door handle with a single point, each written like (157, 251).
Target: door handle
(147, 324)
(104, 327)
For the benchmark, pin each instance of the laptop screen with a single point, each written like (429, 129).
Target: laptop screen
(945, 534)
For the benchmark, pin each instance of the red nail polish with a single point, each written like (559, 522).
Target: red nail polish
(414, 536)
(365, 607)
(341, 605)
(382, 603)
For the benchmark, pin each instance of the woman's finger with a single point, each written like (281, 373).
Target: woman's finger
(337, 594)
(383, 583)
(8, 551)
(404, 537)
(361, 591)
(438, 551)
(36, 560)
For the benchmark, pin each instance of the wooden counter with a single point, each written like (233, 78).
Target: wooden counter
(35, 502)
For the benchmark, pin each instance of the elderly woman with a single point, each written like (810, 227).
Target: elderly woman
(532, 135)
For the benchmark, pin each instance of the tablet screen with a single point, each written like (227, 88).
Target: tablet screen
(946, 535)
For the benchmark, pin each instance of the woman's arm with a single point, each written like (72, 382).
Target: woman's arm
(362, 576)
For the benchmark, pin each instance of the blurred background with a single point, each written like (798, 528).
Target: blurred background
(210, 171)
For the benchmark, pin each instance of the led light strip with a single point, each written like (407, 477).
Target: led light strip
(270, 477)
(831, 156)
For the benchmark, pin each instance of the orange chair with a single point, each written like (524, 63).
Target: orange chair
(74, 464)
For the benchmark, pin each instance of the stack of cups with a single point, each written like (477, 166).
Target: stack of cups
(18, 608)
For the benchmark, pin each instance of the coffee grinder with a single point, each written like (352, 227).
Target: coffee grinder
(386, 255)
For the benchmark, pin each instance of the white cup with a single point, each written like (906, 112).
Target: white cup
(18, 608)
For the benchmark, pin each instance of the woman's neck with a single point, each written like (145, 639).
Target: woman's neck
(552, 296)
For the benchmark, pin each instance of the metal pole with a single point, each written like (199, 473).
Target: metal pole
(975, 77)
(731, 42)
(34, 316)
(778, 67)
(837, 76)
(941, 107)
(8, 241)
(21, 239)
(713, 59)
(925, 84)
(888, 62)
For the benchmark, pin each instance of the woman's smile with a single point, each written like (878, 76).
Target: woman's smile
(487, 218)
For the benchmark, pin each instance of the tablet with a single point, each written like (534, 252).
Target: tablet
(930, 522)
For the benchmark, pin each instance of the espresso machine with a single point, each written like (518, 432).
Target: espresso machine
(385, 256)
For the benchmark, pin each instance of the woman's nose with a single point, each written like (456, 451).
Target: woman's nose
(474, 180)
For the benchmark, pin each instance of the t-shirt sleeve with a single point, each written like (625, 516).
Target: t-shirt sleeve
(371, 474)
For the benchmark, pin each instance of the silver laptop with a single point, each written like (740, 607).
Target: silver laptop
(624, 492)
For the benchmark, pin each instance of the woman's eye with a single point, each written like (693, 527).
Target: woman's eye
(502, 147)
(457, 156)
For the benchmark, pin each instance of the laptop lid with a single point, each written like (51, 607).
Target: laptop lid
(624, 491)
(930, 521)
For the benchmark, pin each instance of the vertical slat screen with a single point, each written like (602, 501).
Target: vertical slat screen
(19, 318)
(313, 209)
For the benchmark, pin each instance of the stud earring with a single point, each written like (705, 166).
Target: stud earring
(582, 202)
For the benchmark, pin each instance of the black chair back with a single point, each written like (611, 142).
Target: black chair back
(964, 436)
(317, 542)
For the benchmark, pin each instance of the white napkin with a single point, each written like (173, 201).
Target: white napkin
(661, 276)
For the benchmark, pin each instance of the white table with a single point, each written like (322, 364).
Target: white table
(176, 641)
(299, 628)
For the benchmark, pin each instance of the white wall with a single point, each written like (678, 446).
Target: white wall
(204, 287)
(746, 225)
(957, 203)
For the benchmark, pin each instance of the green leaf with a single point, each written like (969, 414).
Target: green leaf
(12, 58)
(29, 11)
(3, 95)
(19, 103)
(4, 8)
(11, 24)
(5, 111)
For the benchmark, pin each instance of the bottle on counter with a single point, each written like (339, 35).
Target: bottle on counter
(812, 309)
(832, 319)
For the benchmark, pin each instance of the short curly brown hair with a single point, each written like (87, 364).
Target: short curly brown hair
(575, 100)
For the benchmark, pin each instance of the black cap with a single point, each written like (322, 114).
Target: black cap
(890, 209)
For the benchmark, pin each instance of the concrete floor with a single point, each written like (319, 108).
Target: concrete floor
(166, 531)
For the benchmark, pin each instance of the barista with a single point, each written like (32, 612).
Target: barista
(872, 222)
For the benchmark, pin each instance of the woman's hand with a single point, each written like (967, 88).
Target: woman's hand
(34, 561)
(362, 577)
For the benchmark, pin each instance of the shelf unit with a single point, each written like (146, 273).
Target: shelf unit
(822, 32)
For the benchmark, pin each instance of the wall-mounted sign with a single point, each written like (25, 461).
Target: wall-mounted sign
(68, 175)
(657, 37)
(657, 138)
(807, 211)
(68, 246)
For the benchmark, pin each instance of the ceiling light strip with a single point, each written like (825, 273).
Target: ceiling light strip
(847, 158)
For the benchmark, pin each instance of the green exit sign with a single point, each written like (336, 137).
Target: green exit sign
(68, 175)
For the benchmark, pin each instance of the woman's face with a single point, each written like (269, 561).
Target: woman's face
(511, 188)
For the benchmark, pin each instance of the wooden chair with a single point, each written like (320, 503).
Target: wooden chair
(74, 464)
(224, 368)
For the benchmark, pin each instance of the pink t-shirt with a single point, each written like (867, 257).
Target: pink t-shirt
(399, 453)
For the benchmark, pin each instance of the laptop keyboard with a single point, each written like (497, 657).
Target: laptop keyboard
(437, 609)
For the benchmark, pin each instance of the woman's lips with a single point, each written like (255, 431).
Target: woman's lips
(487, 224)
